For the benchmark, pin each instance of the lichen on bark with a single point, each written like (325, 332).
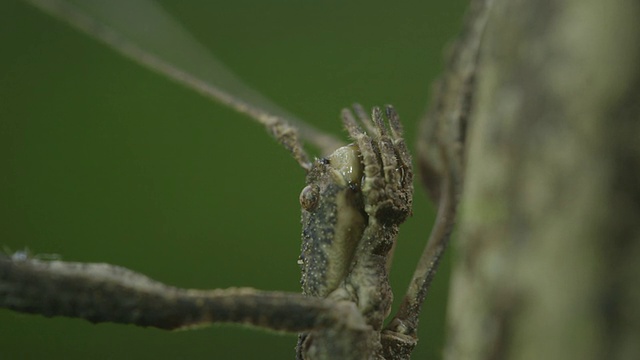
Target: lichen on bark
(548, 231)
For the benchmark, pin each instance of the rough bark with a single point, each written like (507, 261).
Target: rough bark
(549, 235)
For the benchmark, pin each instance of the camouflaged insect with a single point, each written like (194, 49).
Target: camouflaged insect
(352, 205)
(351, 208)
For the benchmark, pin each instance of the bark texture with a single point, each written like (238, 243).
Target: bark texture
(549, 235)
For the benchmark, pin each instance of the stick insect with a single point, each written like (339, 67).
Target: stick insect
(106, 252)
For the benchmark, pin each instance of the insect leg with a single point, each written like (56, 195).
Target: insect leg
(372, 178)
(400, 145)
(400, 335)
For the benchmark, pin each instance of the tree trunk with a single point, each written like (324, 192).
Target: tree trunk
(549, 233)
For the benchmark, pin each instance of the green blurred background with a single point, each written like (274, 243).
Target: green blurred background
(104, 161)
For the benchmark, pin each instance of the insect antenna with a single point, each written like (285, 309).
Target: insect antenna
(162, 44)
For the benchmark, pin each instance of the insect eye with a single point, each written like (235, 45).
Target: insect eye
(309, 197)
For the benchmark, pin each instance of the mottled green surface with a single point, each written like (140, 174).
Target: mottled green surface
(549, 237)
(102, 160)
